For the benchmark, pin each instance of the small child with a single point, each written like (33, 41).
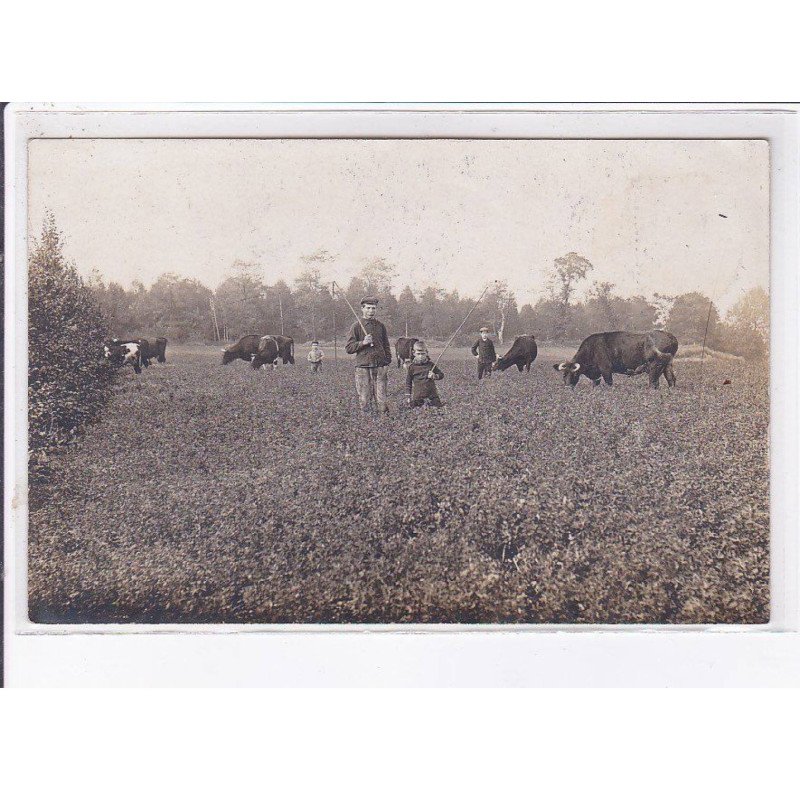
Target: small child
(420, 377)
(315, 356)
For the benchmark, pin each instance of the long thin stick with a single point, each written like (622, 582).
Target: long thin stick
(358, 319)
(333, 297)
(703, 351)
(477, 302)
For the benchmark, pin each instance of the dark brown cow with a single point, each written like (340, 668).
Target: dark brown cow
(244, 349)
(160, 349)
(624, 353)
(247, 347)
(403, 348)
(521, 354)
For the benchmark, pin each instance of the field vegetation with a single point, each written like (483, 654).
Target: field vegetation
(222, 494)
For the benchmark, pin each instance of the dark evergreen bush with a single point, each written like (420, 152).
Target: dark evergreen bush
(68, 381)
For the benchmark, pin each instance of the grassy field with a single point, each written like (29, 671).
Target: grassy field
(223, 494)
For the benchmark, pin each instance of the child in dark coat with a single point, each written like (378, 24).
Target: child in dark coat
(420, 379)
(483, 350)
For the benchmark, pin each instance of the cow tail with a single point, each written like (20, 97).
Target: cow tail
(665, 358)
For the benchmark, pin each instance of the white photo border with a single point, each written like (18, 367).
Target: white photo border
(426, 655)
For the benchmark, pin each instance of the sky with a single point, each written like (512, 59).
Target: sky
(666, 216)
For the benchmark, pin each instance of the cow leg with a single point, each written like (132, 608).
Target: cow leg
(608, 378)
(520, 367)
(654, 373)
(669, 374)
(256, 362)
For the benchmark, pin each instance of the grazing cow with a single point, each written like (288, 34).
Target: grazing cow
(602, 354)
(145, 349)
(285, 348)
(244, 349)
(119, 354)
(269, 349)
(403, 347)
(522, 354)
(247, 348)
(160, 349)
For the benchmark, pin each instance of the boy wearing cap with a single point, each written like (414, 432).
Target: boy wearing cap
(483, 350)
(369, 343)
(315, 357)
(420, 379)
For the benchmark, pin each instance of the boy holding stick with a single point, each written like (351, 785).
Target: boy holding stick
(421, 377)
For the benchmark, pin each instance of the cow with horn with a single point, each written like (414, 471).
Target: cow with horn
(603, 354)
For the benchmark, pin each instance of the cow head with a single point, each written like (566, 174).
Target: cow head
(501, 364)
(228, 356)
(571, 370)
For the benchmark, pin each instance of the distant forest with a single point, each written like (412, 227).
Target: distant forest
(184, 309)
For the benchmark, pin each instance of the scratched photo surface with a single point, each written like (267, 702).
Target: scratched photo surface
(398, 381)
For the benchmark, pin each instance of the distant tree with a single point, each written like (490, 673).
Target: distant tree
(280, 310)
(747, 329)
(605, 311)
(547, 320)
(115, 303)
(408, 311)
(527, 320)
(245, 276)
(663, 305)
(602, 308)
(689, 316)
(499, 309)
(751, 313)
(431, 320)
(566, 272)
(378, 276)
(312, 300)
(179, 309)
(639, 313)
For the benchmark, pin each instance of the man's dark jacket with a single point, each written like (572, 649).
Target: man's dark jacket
(484, 351)
(379, 354)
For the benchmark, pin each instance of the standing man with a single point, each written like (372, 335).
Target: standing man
(483, 350)
(369, 343)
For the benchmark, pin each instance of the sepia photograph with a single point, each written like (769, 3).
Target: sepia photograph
(398, 381)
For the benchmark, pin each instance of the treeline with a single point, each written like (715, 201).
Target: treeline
(184, 309)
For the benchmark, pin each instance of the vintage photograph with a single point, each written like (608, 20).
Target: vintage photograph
(475, 381)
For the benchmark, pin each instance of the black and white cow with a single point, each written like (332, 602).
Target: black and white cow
(121, 354)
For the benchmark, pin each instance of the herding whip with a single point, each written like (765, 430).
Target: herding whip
(358, 319)
(703, 351)
(477, 302)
